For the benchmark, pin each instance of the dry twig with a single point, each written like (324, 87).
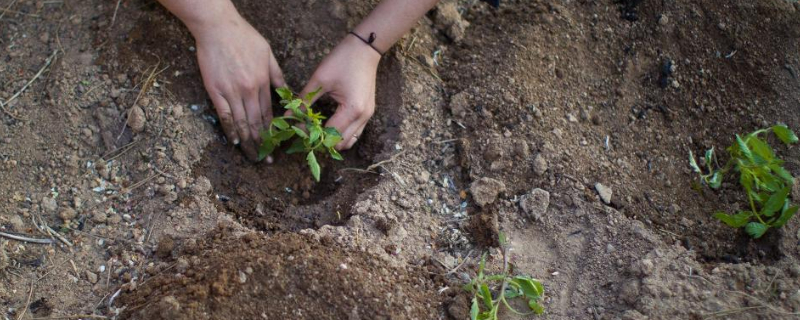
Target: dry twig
(25, 239)
(38, 74)
(28, 303)
(8, 8)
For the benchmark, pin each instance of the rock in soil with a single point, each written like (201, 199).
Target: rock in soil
(67, 214)
(604, 192)
(535, 204)
(449, 21)
(539, 165)
(136, 119)
(485, 190)
(49, 204)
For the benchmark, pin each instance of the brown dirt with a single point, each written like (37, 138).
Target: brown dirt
(528, 96)
(284, 276)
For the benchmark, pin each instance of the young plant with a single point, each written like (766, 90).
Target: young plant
(486, 307)
(761, 175)
(305, 126)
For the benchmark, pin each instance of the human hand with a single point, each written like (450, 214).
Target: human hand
(348, 75)
(238, 67)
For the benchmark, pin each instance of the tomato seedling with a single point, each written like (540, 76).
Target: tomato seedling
(305, 126)
(486, 307)
(761, 175)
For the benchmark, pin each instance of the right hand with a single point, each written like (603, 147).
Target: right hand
(238, 68)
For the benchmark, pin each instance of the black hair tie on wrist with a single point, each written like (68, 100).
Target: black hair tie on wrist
(368, 41)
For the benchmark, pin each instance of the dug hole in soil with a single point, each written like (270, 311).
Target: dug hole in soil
(488, 120)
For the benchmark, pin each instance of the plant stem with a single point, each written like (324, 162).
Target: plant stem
(753, 206)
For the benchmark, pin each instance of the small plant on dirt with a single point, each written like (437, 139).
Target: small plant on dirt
(762, 176)
(306, 126)
(485, 306)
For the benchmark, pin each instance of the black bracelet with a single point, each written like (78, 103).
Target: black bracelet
(369, 41)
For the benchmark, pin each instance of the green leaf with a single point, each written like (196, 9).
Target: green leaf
(298, 145)
(535, 307)
(693, 163)
(266, 148)
(283, 135)
(486, 295)
(331, 140)
(280, 123)
(709, 156)
(313, 134)
(300, 132)
(715, 181)
(294, 105)
(530, 287)
(314, 165)
(785, 216)
(755, 229)
(782, 173)
(776, 202)
(785, 134)
(335, 154)
(310, 96)
(734, 221)
(744, 148)
(761, 149)
(481, 266)
(285, 93)
(473, 311)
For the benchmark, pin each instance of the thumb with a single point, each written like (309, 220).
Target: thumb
(311, 86)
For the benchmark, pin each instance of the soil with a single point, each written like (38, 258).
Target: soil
(489, 121)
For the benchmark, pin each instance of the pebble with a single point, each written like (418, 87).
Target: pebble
(535, 204)
(99, 217)
(485, 190)
(67, 214)
(137, 119)
(539, 164)
(91, 276)
(604, 192)
(794, 270)
(49, 204)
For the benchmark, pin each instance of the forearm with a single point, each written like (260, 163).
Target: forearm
(200, 16)
(391, 19)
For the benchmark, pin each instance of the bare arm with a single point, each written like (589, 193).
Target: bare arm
(348, 73)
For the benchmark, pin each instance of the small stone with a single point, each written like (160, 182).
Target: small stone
(459, 104)
(17, 225)
(539, 164)
(165, 247)
(604, 192)
(67, 214)
(99, 217)
(449, 20)
(91, 276)
(114, 219)
(610, 248)
(182, 265)
(536, 203)
(794, 270)
(49, 204)
(136, 119)
(485, 190)
(242, 277)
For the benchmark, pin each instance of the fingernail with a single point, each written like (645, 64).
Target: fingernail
(236, 141)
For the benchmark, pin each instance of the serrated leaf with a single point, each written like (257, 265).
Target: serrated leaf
(734, 221)
(313, 134)
(709, 156)
(743, 148)
(755, 229)
(761, 149)
(535, 307)
(486, 295)
(782, 173)
(283, 135)
(693, 163)
(335, 154)
(332, 137)
(285, 93)
(300, 132)
(298, 145)
(529, 287)
(473, 311)
(313, 165)
(310, 96)
(786, 135)
(294, 105)
(776, 202)
(280, 123)
(785, 216)
(715, 181)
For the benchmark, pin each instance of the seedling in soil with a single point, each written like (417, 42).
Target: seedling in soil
(484, 304)
(305, 126)
(761, 175)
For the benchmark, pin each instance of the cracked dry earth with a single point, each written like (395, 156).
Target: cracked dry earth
(488, 120)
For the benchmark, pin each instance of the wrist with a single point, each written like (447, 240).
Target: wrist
(213, 18)
(365, 51)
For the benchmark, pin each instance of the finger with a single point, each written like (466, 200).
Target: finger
(354, 137)
(312, 86)
(275, 73)
(241, 126)
(343, 119)
(265, 101)
(225, 117)
(255, 120)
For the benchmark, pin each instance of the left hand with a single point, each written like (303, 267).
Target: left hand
(348, 75)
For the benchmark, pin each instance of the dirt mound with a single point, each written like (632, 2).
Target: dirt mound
(287, 276)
